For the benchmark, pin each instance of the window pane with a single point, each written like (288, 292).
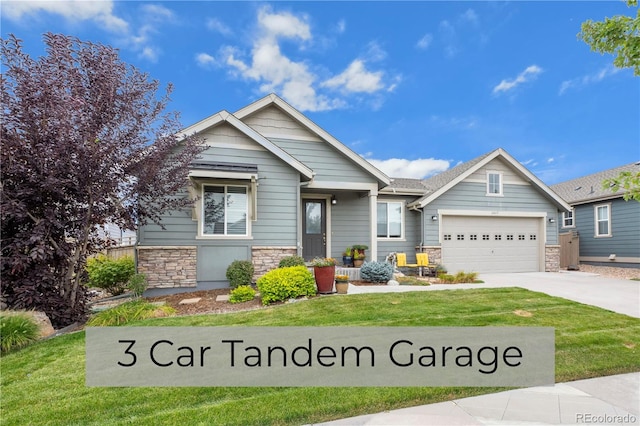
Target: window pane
(603, 213)
(603, 228)
(382, 220)
(395, 220)
(494, 183)
(236, 210)
(213, 202)
(313, 219)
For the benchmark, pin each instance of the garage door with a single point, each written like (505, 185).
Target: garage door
(491, 244)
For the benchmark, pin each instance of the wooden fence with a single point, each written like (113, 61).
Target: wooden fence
(120, 251)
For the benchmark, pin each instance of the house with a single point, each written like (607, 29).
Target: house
(608, 227)
(272, 183)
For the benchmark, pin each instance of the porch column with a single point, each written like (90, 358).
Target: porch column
(373, 224)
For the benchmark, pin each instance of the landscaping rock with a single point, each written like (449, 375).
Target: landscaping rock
(222, 298)
(393, 282)
(44, 324)
(190, 301)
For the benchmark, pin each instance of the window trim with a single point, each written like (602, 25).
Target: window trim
(572, 218)
(225, 185)
(402, 220)
(500, 192)
(596, 230)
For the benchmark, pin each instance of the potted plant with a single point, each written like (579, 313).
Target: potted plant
(342, 284)
(324, 270)
(358, 259)
(347, 257)
(359, 248)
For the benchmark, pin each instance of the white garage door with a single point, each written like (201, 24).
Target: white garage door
(491, 244)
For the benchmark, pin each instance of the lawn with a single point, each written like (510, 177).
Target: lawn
(44, 383)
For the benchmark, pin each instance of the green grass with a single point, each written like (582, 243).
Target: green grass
(44, 383)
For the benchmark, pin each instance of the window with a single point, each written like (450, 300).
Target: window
(509, 237)
(521, 237)
(494, 184)
(603, 220)
(390, 220)
(224, 210)
(460, 237)
(485, 237)
(567, 219)
(498, 237)
(473, 237)
(533, 237)
(447, 237)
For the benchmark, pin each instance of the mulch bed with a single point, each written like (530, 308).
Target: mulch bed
(207, 303)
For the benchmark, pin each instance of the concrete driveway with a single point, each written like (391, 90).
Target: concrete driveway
(617, 295)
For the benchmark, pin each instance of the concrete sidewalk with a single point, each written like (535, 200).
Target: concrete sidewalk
(604, 400)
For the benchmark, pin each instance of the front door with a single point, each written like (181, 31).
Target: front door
(314, 229)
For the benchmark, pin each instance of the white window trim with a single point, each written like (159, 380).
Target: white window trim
(203, 236)
(402, 220)
(500, 193)
(595, 219)
(573, 219)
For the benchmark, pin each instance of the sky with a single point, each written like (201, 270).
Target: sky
(414, 87)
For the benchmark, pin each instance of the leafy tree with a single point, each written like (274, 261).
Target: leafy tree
(619, 36)
(85, 141)
(627, 181)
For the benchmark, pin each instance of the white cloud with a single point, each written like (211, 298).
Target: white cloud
(217, 25)
(551, 160)
(72, 10)
(356, 79)
(454, 122)
(341, 27)
(374, 52)
(449, 36)
(424, 42)
(157, 12)
(205, 60)
(588, 79)
(471, 16)
(530, 73)
(283, 25)
(150, 53)
(417, 169)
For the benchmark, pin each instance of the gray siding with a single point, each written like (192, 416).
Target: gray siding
(625, 230)
(471, 196)
(324, 160)
(349, 222)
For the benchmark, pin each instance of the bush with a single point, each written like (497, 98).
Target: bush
(240, 272)
(138, 284)
(109, 274)
(286, 283)
(460, 277)
(17, 331)
(289, 261)
(243, 293)
(376, 272)
(130, 311)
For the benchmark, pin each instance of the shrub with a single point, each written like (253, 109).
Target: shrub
(376, 272)
(289, 261)
(286, 283)
(138, 284)
(243, 293)
(130, 311)
(110, 274)
(240, 272)
(17, 331)
(460, 277)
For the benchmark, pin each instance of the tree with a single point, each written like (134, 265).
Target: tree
(85, 141)
(619, 36)
(628, 181)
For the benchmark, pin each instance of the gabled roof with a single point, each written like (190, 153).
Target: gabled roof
(226, 117)
(441, 183)
(405, 186)
(589, 188)
(273, 99)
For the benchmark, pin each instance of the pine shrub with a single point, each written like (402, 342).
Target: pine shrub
(288, 261)
(240, 272)
(286, 283)
(376, 272)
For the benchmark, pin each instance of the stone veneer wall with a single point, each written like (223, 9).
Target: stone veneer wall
(168, 267)
(552, 258)
(434, 252)
(266, 258)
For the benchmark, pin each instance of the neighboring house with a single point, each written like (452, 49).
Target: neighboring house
(272, 183)
(608, 227)
(120, 237)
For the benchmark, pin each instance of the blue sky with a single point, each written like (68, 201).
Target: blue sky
(415, 87)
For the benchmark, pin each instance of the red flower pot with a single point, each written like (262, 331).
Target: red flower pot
(325, 275)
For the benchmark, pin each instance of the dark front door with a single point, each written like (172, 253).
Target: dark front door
(314, 229)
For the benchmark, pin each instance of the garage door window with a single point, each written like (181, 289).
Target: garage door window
(390, 220)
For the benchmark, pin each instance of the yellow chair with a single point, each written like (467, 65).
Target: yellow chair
(422, 260)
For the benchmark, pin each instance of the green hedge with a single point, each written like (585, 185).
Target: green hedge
(240, 272)
(286, 283)
(109, 274)
(243, 293)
